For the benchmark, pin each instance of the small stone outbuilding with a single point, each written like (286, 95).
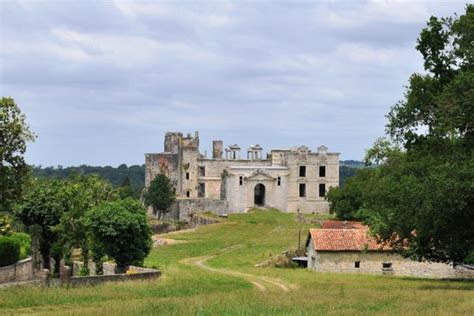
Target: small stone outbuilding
(349, 248)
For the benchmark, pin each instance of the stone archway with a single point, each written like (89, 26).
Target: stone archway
(259, 195)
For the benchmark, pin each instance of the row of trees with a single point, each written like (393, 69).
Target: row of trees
(63, 214)
(420, 198)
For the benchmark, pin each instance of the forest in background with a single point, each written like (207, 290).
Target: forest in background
(136, 173)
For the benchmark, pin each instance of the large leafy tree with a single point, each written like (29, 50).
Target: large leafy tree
(421, 197)
(42, 208)
(120, 230)
(14, 135)
(160, 195)
(80, 194)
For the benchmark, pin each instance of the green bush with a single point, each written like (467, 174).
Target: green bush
(9, 250)
(25, 243)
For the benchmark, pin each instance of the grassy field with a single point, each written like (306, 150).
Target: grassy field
(211, 271)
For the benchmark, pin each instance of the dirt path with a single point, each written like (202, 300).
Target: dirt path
(260, 282)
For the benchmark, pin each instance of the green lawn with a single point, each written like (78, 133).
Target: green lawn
(212, 272)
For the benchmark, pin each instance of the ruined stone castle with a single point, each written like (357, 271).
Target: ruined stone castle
(295, 179)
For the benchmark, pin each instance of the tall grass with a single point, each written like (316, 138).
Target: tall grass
(237, 245)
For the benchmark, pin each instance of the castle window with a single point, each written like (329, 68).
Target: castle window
(202, 171)
(322, 171)
(279, 181)
(322, 189)
(188, 193)
(187, 175)
(302, 171)
(202, 190)
(302, 189)
(241, 180)
(357, 264)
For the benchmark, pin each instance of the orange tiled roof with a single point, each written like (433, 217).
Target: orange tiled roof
(343, 225)
(345, 240)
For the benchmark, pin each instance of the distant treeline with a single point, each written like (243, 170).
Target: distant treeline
(136, 173)
(116, 175)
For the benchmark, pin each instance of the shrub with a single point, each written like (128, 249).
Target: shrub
(9, 250)
(25, 243)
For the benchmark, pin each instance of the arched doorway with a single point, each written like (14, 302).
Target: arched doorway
(259, 195)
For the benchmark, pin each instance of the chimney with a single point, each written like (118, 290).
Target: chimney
(217, 149)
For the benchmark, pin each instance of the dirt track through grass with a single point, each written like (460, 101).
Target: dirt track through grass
(256, 280)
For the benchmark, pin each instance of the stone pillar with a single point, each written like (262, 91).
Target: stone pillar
(217, 149)
(43, 276)
(65, 274)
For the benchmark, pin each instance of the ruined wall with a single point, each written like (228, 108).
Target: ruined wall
(371, 263)
(312, 202)
(183, 208)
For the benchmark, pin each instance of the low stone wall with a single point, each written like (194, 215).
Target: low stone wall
(183, 208)
(109, 268)
(97, 279)
(18, 272)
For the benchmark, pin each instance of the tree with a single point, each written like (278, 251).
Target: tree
(43, 207)
(421, 197)
(80, 194)
(346, 202)
(14, 172)
(126, 189)
(120, 230)
(160, 195)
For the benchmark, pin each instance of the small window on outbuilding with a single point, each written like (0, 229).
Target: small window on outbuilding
(302, 189)
(187, 175)
(322, 189)
(279, 181)
(302, 171)
(322, 171)
(202, 171)
(241, 180)
(387, 266)
(357, 264)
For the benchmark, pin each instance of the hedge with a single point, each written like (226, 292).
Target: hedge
(9, 250)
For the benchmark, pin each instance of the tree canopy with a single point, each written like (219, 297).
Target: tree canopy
(421, 196)
(14, 135)
(160, 195)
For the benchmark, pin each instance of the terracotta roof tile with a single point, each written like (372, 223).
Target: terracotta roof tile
(345, 240)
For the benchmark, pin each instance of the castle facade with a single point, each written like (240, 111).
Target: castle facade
(295, 179)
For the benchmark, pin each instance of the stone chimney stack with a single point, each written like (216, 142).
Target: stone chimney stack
(217, 149)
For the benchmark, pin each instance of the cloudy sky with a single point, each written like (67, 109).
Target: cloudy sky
(101, 82)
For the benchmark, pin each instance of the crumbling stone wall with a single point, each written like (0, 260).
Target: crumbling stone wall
(183, 208)
(17, 272)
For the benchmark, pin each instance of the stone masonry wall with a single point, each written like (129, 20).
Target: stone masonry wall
(20, 271)
(371, 263)
(182, 208)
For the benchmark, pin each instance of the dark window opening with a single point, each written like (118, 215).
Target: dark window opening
(302, 171)
(387, 265)
(202, 190)
(202, 171)
(279, 181)
(187, 175)
(241, 180)
(322, 171)
(234, 156)
(188, 193)
(302, 189)
(357, 264)
(322, 189)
